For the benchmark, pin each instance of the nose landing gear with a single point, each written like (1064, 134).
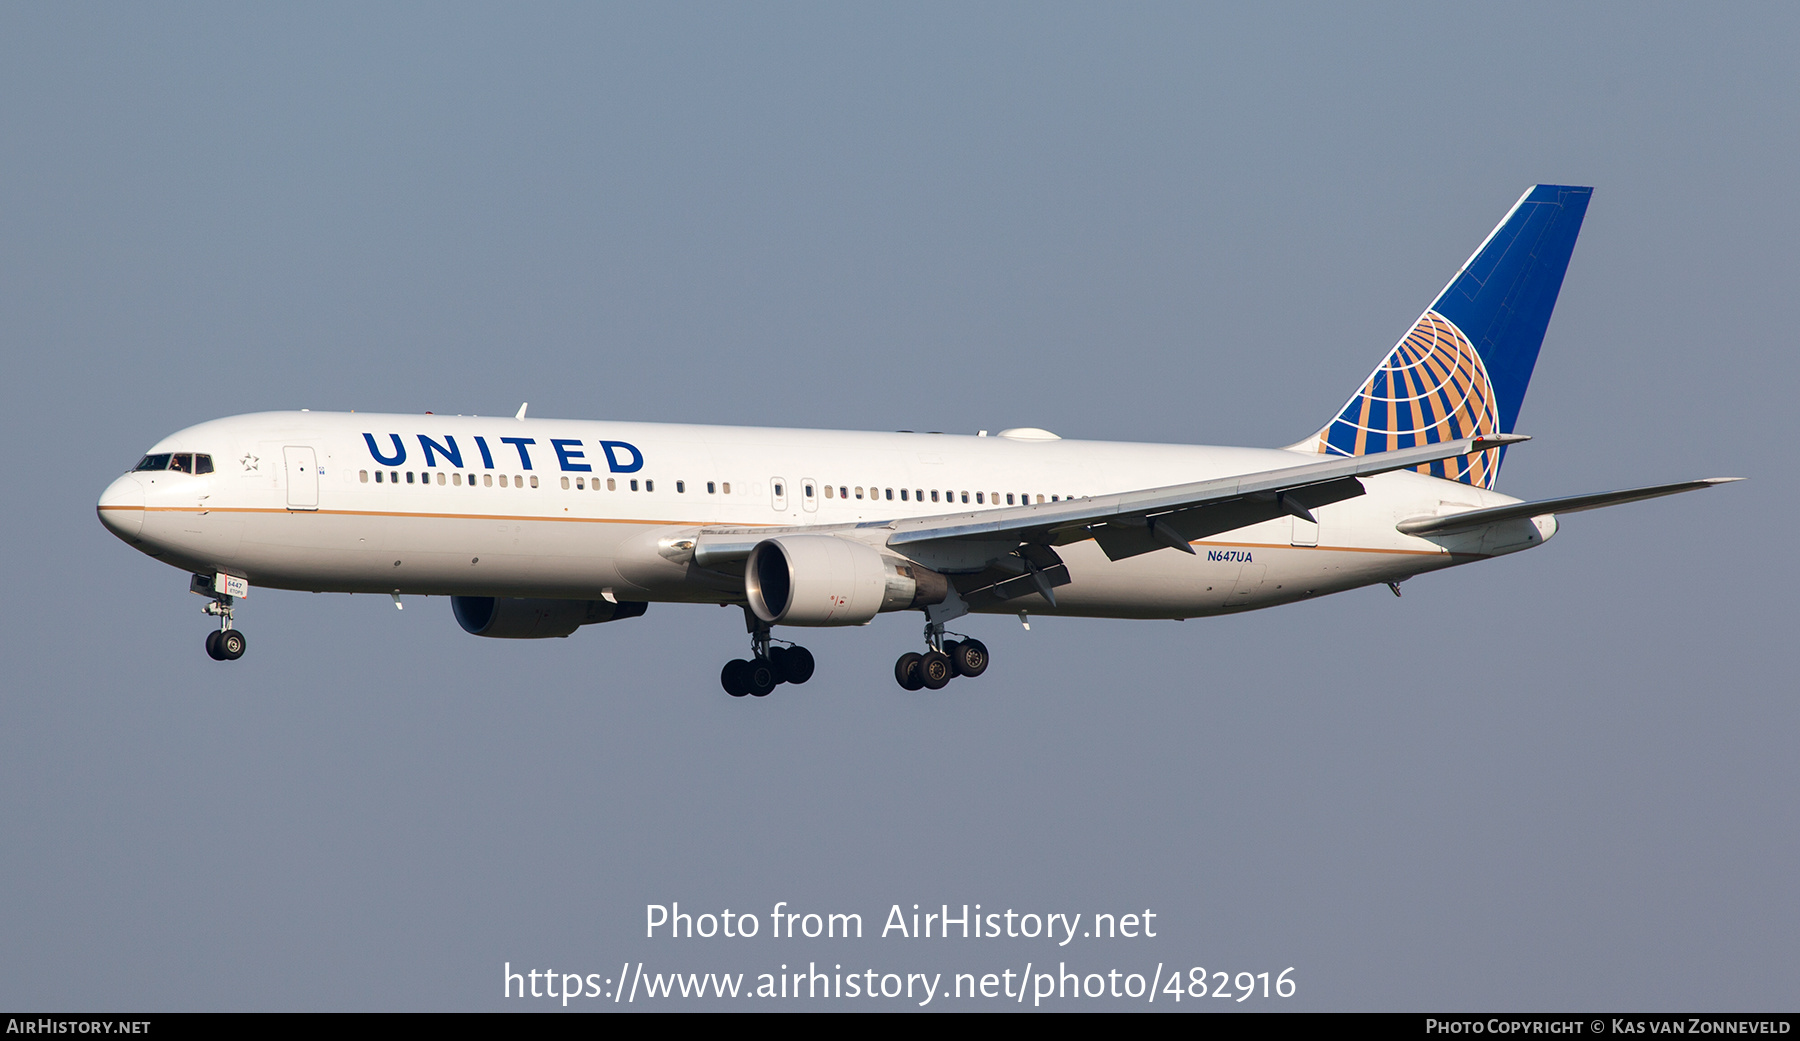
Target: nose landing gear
(224, 643)
(768, 667)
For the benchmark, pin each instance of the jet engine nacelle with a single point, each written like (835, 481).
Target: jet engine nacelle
(516, 618)
(825, 580)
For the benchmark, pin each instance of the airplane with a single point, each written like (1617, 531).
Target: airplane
(536, 527)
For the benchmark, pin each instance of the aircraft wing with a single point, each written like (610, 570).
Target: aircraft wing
(1125, 525)
(1567, 504)
(1129, 523)
(1002, 553)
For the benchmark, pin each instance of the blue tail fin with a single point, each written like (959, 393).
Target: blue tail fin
(1463, 368)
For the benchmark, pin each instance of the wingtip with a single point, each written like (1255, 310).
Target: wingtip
(1492, 440)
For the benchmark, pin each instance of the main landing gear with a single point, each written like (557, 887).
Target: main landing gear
(225, 643)
(768, 667)
(942, 661)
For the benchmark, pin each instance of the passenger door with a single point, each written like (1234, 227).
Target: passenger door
(302, 477)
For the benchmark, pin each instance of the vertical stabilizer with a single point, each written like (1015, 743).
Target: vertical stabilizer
(1463, 368)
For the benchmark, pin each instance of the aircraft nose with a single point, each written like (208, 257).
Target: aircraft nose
(121, 507)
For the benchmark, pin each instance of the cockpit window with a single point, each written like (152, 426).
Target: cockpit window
(180, 462)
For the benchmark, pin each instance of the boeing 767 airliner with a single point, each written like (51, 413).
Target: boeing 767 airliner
(535, 527)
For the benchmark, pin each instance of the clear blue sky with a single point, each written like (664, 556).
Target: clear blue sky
(1561, 780)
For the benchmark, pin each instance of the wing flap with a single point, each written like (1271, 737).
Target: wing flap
(1131, 537)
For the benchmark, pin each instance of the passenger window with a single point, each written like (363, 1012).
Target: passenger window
(712, 488)
(1009, 498)
(409, 477)
(890, 495)
(365, 476)
(828, 491)
(859, 491)
(903, 495)
(680, 487)
(378, 477)
(843, 491)
(612, 485)
(580, 485)
(1053, 498)
(203, 464)
(726, 487)
(534, 483)
(456, 479)
(594, 483)
(649, 486)
(441, 478)
(502, 480)
(634, 485)
(565, 484)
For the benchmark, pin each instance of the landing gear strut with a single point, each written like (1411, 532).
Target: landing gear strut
(769, 666)
(224, 643)
(942, 661)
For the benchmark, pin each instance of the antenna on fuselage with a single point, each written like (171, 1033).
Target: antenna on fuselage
(522, 406)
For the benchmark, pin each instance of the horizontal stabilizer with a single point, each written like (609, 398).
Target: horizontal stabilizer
(1568, 504)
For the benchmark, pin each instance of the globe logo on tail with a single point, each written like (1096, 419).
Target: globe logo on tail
(1431, 388)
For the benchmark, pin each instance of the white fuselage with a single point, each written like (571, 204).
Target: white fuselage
(547, 508)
